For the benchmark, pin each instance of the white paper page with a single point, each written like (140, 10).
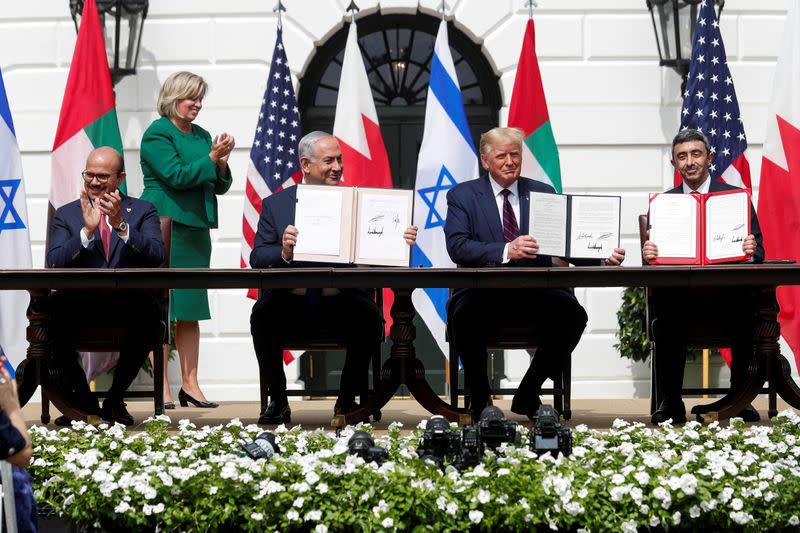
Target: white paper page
(673, 225)
(383, 219)
(726, 225)
(594, 226)
(548, 222)
(318, 219)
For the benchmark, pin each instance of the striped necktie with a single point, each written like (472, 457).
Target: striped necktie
(510, 227)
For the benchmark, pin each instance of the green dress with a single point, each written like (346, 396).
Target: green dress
(183, 183)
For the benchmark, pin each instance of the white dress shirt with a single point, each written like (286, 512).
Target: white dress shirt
(513, 199)
(702, 189)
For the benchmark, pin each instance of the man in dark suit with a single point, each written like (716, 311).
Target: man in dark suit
(482, 230)
(278, 313)
(104, 229)
(674, 308)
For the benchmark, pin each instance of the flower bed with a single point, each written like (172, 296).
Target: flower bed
(631, 477)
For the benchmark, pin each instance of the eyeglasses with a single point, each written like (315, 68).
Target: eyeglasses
(102, 178)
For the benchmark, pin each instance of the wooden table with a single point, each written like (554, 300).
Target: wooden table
(403, 367)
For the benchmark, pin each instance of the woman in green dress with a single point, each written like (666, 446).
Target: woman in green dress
(184, 171)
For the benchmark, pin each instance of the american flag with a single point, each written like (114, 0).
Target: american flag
(709, 102)
(273, 158)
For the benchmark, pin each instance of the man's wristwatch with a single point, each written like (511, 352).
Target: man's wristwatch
(122, 228)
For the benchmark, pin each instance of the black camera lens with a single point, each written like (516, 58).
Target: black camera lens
(360, 442)
(437, 423)
(492, 412)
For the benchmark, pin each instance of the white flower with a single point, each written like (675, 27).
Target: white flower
(573, 508)
(298, 502)
(312, 516)
(794, 520)
(484, 496)
(293, 515)
(257, 517)
(213, 490)
(452, 508)
(642, 477)
(617, 479)
(122, 507)
(475, 516)
(629, 526)
(321, 528)
(387, 523)
(741, 517)
(322, 488)
(694, 511)
(737, 504)
(676, 518)
(312, 477)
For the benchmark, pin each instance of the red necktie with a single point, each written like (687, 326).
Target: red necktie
(510, 227)
(105, 234)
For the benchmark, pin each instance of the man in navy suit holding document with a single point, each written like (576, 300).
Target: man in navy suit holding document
(279, 311)
(104, 229)
(676, 307)
(487, 226)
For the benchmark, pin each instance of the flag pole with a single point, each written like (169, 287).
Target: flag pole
(530, 4)
(279, 7)
(353, 9)
(443, 8)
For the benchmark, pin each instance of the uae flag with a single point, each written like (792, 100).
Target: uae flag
(529, 113)
(359, 134)
(88, 118)
(779, 190)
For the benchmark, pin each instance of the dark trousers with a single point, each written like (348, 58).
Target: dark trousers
(729, 310)
(473, 313)
(280, 315)
(134, 317)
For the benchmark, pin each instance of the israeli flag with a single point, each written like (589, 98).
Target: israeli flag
(447, 157)
(15, 243)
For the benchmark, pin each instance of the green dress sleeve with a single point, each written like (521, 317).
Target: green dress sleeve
(224, 180)
(160, 152)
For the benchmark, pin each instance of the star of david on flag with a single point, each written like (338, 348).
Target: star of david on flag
(431, 197)
(9, 218)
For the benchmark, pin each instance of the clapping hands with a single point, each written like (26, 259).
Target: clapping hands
(221, 149)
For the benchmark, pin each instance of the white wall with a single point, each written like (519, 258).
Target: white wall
(613, 111)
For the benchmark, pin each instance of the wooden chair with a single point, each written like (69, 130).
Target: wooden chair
(107, 339)
(515, 337)
(318, 337)
(700, 336)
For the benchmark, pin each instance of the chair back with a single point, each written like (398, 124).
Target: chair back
(642, 234)
(166, 238)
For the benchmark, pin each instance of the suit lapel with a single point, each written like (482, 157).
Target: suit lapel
(127, 215)
(489, 207)
(524, 207)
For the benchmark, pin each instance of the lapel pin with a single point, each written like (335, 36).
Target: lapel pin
(128, 209)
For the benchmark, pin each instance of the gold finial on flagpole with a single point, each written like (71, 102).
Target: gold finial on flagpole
(530, 4)
(277, 9)
(352, 9)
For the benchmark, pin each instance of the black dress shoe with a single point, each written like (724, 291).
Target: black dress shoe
(116, 412)
(169, 405)
(277, 412)
(185, 400)
(749, 414)
(63, 421)
(528, 408)
(667, 410)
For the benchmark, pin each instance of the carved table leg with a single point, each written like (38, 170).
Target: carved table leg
(29, 371)
(403, 368)
(766, 335)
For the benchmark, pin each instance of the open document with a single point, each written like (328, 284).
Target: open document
(575, 226)
(699, 229)
(352, 225)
